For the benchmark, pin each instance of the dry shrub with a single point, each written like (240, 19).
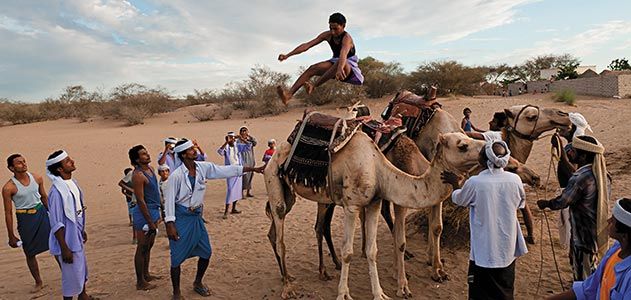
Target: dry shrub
(134, 102)
(202, 97)
(381, 78)
(225, 112)
(202, 114)
(20, 113)
(336, 92)
(455, 223)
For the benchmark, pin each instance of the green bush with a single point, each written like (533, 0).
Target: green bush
(381, 78)
(566, 96)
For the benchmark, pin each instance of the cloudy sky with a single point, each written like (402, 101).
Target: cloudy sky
(184, 45)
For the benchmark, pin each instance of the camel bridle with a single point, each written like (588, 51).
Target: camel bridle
(513, 129)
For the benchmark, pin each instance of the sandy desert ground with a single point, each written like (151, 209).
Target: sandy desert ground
(243, 265)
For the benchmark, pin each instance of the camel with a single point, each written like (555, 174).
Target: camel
(405, 155)
(361, 175)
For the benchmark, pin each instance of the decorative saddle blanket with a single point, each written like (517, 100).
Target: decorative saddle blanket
(313, 140)
(415, 111)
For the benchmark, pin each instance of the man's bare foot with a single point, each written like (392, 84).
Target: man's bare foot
(150, 278)
(225, 216)
(284, 96)
(234, 211)
(145, 286)
(178, 297)
(38, 287)
(308, 87)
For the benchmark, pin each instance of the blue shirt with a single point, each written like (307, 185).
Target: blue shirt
(590, 288)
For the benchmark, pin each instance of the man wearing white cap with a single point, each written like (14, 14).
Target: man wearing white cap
(493, 197)
(587, 196)
(184, 198)
(612, 279)
(167, 156)
(67, 221)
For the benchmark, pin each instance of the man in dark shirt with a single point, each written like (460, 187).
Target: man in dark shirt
(587, 204)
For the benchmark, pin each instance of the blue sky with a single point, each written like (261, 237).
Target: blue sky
(184, 45)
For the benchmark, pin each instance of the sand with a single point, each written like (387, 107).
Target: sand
(243, 265)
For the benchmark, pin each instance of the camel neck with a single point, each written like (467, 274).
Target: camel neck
(412, 191)
(519, 148)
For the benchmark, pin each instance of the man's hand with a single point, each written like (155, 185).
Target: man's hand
(13, 242)
(282, 57)
(152, 226)
(543, 204)
(66, 255)
(259, 169)
(340, 74)
(85, 236)
(172, 231)
(449, 177)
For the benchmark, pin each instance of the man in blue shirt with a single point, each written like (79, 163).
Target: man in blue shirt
(612, 279)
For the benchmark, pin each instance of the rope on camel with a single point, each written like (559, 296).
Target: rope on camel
(554, 155)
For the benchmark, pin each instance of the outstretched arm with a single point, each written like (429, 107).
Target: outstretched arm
(305, 46)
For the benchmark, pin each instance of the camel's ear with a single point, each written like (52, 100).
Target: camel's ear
(509, 114)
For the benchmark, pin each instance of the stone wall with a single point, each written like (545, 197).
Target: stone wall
(624, 85)
(603, 86)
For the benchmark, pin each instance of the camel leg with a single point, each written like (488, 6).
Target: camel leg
(527, 214)
(436, 229)
(372, 220)
(387, 216)
(328, 217)
(276, 209)
(319, 229)
(350, 214)
(399, 250)
(362, 219)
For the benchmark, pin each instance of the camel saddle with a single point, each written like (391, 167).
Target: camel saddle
(313, 140)
(414, 110)
(384, 133)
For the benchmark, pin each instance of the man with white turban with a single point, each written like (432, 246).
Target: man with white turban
(66, 212)
(587, 196)
(184, 199)
(493, 197)
(612, 279)
(565, 168)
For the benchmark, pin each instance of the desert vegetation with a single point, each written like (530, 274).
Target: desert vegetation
(132, 103)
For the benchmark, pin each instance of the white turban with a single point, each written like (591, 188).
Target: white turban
(57, 158)
(164, 167)
(183, 147)
(271, 141)
(231, 133)
(581, 124)
(493, 160)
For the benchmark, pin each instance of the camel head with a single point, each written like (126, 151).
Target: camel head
(533, 121)
(526, 174)
(457, 151)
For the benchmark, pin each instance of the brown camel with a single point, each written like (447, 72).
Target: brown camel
(361, 175)
(405, 155)
(525, 124)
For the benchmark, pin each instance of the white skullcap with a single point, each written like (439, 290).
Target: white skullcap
(493, 160)
(621, 214)
(170, 140)
(271, 141)
(231, 133)
(164, 167)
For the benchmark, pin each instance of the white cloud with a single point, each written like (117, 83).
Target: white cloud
(186, 44)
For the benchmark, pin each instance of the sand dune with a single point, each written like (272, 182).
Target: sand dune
(243, 265)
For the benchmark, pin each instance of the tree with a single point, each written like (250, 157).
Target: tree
(567, 71)
(381, 78)
(619, 64)
(531, 69)
(451, 77)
